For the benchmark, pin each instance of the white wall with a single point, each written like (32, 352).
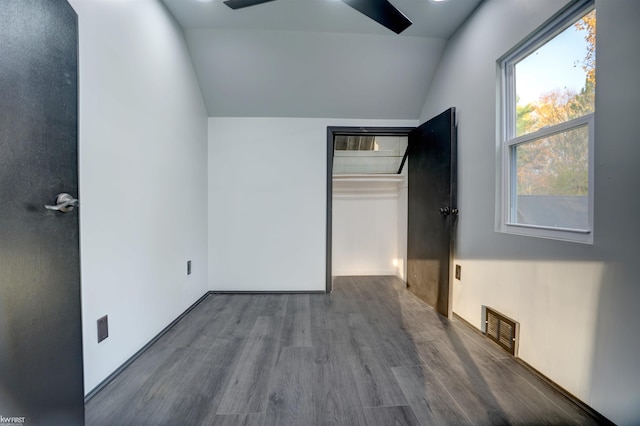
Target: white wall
(143, 149)
(267, 201)
(365, 226)
(312, 74)
(577, 304)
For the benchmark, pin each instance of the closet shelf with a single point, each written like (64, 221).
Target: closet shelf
(369, 178)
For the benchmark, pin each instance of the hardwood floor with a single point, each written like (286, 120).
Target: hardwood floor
(370, 353)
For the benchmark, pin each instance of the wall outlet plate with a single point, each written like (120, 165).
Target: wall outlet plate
(103, 328)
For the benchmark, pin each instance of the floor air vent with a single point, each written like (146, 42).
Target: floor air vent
(502, 330)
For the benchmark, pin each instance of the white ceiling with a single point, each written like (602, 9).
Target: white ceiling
(315, 58)
(430, 19)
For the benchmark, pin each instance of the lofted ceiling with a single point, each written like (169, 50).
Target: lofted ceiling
(315, 58)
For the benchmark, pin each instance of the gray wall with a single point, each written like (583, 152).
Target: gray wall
(577, 304)
(616, 365)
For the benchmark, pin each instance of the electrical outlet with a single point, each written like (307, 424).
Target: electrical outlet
(188, 267)
(103, 328)
(458, 271)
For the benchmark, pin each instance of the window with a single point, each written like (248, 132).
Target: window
(547, 129)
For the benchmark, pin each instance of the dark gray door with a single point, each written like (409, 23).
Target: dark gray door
(432, 209)
(41, 374)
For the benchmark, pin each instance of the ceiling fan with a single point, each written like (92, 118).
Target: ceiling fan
(380, 11)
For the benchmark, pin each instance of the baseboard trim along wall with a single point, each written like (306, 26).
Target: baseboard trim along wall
(600, 418)
(116, 373)
(267, 292)
(136, 355)
(157, 337)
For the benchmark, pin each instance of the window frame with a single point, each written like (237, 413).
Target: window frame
(508, 139)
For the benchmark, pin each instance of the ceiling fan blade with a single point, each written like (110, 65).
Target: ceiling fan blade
(239, 4)
(382, 12)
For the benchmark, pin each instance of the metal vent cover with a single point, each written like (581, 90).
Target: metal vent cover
(502, 330)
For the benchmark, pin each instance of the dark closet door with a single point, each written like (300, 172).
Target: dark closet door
(432, 209)
(41, 373)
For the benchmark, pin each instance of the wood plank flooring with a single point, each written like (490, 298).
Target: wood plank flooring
(370, 353)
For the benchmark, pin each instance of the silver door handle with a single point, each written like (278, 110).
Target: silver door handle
(64, 203)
